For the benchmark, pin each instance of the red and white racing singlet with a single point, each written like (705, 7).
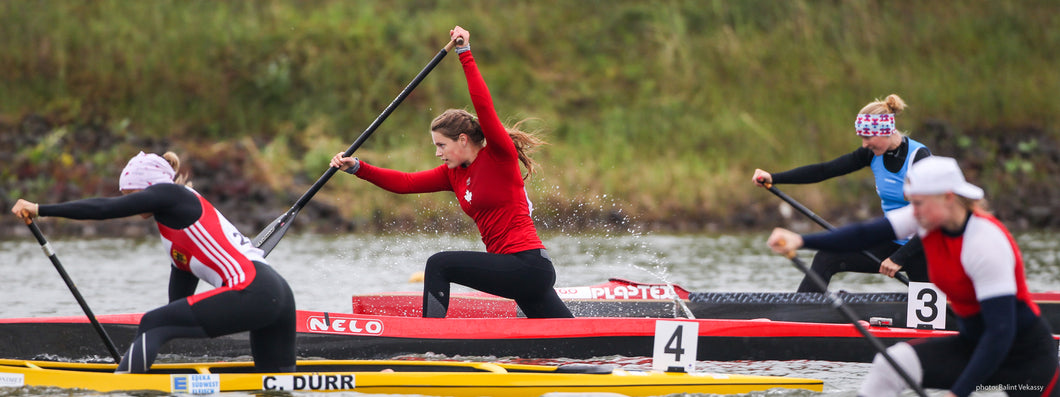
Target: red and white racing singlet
(982, 263)
(212, 249)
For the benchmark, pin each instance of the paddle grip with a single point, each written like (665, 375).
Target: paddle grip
(27, 216)
(459, 41)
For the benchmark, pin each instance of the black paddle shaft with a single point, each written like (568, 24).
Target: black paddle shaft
(73, 288)
(838, 303)
(267, 239)
(820, 221)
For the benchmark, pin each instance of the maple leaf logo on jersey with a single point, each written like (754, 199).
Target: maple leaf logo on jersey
(467, 196)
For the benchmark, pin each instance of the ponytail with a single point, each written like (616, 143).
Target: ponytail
(525, 143)
(181, 178)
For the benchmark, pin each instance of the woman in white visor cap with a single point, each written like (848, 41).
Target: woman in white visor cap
(248, 294)
(1003, 344)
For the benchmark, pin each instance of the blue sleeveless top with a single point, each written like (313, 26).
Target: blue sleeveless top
(889, 184)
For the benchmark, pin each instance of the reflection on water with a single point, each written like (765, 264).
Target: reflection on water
(123, 276)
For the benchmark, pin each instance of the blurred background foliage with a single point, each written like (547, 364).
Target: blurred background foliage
(657, 112)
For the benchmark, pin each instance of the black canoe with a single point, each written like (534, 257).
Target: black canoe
(624, 298)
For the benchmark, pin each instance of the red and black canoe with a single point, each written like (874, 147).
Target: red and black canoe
(363, 336)
(614, 318)
(624, 298)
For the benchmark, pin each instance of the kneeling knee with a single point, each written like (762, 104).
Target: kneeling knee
(884, 380)
(438, 261)
(152, 319)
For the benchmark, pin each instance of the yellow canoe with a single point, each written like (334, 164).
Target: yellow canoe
(440, 378)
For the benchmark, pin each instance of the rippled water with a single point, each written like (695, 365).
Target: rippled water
(124, 276)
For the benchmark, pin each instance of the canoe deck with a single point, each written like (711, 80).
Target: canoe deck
(391, 377)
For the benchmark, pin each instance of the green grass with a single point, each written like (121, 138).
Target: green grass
(665, 107)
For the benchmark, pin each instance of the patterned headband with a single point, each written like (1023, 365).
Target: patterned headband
(874, 124)
(145, 170)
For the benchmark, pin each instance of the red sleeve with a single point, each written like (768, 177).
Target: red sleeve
(496, 136)
(432, 180)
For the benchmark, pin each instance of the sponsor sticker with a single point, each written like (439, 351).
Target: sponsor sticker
(195, 383)
(650, 292)
(574, 293)
(338, 324)
(12, 380)
(318, 382)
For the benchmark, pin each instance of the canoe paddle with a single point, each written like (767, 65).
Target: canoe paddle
(267, 239)
(73, 288)
(806, 211)
(837, 302)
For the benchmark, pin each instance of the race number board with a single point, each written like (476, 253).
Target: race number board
(927, 307)
(676, 344)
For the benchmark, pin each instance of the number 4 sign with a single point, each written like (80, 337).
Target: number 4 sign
(927, 307)
(676, 344)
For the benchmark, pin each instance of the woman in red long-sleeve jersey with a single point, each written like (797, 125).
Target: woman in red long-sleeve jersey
(488, 184)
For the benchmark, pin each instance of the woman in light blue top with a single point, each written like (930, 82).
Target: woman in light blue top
(888, 153)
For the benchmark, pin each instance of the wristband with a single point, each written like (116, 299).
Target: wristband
(353, 168)
(463, 49)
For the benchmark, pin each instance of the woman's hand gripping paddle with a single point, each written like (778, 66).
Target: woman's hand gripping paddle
(267, 239)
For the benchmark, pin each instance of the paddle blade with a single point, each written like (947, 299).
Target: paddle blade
(271, 235)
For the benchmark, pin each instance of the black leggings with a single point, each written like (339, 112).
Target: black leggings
(1030, 369)
(527, 277)
(265, 308)
(826, 264)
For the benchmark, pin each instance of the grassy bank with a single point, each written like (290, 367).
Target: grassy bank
(658, 111)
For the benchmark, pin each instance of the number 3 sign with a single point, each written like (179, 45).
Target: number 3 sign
(927, 306)
(676, 344)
